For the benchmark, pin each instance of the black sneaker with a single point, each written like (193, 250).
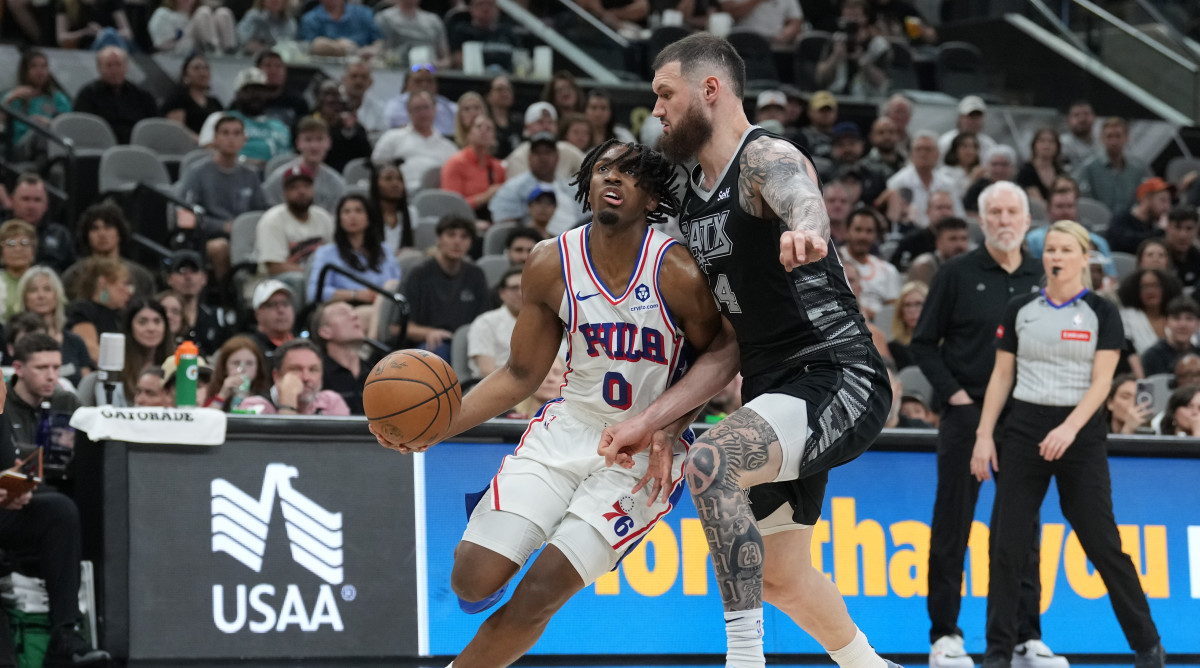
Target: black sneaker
(996, 661)
(1155, 657)
(68, 648)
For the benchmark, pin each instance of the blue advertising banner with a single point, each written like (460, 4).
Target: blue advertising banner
(872, 541)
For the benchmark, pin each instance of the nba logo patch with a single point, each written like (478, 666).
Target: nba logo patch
(642, 293)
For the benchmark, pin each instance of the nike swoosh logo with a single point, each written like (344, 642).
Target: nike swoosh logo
(585, 297)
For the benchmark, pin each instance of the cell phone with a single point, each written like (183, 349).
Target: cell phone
(1145, 393)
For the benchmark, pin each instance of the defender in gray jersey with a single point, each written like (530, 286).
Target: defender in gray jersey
(816, 388)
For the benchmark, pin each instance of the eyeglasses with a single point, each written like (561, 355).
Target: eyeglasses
(13, 243)
(428, 67)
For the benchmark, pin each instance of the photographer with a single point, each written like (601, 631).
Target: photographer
(855, 62)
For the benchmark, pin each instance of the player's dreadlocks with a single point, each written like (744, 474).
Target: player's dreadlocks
(654, 174)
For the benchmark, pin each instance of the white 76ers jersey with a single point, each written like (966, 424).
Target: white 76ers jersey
(623, 347)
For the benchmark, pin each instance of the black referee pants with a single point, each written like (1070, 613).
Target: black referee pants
(953, 513)
(49, 527)
(1085, 494)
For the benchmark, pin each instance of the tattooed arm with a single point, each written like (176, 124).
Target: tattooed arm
(778, 182)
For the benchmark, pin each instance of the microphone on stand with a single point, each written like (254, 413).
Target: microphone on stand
(111, 364)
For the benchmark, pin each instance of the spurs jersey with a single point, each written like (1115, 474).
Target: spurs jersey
(623, 347)
(780, 317)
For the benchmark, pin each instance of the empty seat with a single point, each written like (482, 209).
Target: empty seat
(169, 139)
(960, 69)
(88, 134)
(437, 203)
(808, 52)
(124, 168)
(756, 52)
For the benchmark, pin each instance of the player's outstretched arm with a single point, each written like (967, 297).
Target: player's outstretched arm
(776, 178)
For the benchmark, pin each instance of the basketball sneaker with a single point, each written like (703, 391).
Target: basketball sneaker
(948, 652)
(1035, 654)
(1155, 657)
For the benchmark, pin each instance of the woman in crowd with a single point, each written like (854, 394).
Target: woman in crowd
(962, 163)
(172, 303)
(390, 195)
(1182, 415)
(1125, 413)
(103, 232)
(181, 27)
(239, 358)
(92, 24)
(470, 105)
(99, 313)
(547, 391)
(37, 96)
(356, 247)
(147, 345)
(1038, 175)
(509, 125)
(266, 24)
(150, 390)
(1152, 254)
(600, 114)
(563, 92)
(575, 129)
(190, 104)
(1055, 429)
(1144, 296)
(904, 321)
(42, 294)
(18, 248)
(474, 172)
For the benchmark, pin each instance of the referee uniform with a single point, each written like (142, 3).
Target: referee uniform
(1054, 347)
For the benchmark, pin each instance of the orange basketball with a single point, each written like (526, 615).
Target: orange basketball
(411, 396)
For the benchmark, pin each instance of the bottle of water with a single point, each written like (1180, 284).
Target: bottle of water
(242, 391)
(42, 438)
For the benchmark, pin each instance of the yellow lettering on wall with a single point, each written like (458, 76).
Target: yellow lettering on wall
(820, 536)
(849, 535)
(666, 562)
(1085, 583)
(977, 551)
(609, 584)
(1153, 570)
(695, 557)
(909, 569)
(1052, 540)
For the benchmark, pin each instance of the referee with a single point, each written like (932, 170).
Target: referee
(1062, 345)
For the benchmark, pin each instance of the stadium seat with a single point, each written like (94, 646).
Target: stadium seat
(760, 59)
(914, 379)
(808, 53)
(1125, 264)
(458, 352)
(124, 168)
(883, 318)
(436, 203)
(660, 38)
(493, 267)
(425, 233)
(277, 162)
(1037, 212)
(493, 240)
(902, 72)
(191, 158)
(960, 69)
(431, 180)
(242, 253)
(357, 171)
(170, 140)
(1179, 166)
(1094, 214)
(89, 134)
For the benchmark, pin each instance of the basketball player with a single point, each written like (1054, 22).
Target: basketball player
(816, 392)
(627, 298)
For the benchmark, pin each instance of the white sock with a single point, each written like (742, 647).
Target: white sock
(450, 665)
(858, 654)
(744, 639)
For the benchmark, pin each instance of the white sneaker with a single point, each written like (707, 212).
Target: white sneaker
(1035, 654)
(948, 652)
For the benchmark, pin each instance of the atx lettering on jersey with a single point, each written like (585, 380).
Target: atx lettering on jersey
(707, 239)
(620, 341)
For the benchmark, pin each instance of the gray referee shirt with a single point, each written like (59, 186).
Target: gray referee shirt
(1055, 344)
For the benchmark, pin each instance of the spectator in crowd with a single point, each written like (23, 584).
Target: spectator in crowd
(99, 312)
(266, 24)
(445, 292)
(339, 333)
(102, 232)
(18, 244)
(511, 202)
(181, 27)
(822, 116)
(419, 145)
(877, 336)
(1125, 413)
(37, 96)
(94, 24)
(954, 344)
(508, 123)
(950, 239)
(390, 196)
(839, 206)
(855, 61)
(289, 233)
(1187, 371)
(971, 111)
(189, 104)
(225, 188)
(312, 143)
(42, 295)
(147, 340)
(348, 139)
(1183, 323)
(884, 156)
(30, 203)
(904, 321)
(198, 322)
(1062, 207)
(847, 148)
(542, 205)
(920, 179)
(280, 103)
(172, 304)
(238, 359)
(1000, 164)
(880, 280)
(274, 315)
(204, 374)
(899, 110)
(473, 172)
(1182, 415)
(915, 412)
(549, 390)
(562, 91)
(470, 105)
(1079, 141)
(46, 523)
(1064, 199)
(599, 111)
(150, 389)
(1180, 239)
(772, 105)
(297, 381)
(1144, 295)
(490, 333)
(405, 26)
(339, 28)
(266, 136)
(1130, 226)
(519, 243)
(779, 21)
(488, 27)
(961, 163)
(422, 80)
(1038, 175)
(920, 240)
(1112, 177)
(541, 117)
(575, 129)
(623, 16)
(1154, 254)
(368, 112)
(114, 98)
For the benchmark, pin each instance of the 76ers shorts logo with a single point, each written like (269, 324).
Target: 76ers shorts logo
(623, 522)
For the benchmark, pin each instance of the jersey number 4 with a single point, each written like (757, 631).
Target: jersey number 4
(724, 294)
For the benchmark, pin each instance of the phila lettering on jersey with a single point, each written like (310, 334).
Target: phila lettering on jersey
(625, 342)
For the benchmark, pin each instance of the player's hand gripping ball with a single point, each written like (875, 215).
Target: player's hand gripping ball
(411, 397)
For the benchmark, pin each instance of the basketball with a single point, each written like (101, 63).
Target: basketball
(411, 396)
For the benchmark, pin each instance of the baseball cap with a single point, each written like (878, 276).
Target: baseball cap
(821, 99)
(540, 191)
(184, 258)
(846, 129)
(543, 138)
(915, 395)
(771, 98)
(296, 171)
(267, 289)
(1152, 185)
(535, 111)
(971, 104)
(251, 76)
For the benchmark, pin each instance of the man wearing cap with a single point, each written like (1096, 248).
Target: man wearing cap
(885, 155)
(511, 202)
(445, 291)
(339, 28)
(822, 116)
(1129, 228)
(772, 105)
(422, 79)
(419, 143)
(186, 275)
(312, 143)
(488, 27)
(780, 21)
(920, 178)
(542, 204)
(1112, 177)
(541, 117)
(971, 110)
(280, 102)
(339, 333)
(266, 137)
(120, 102)
(297, 390)
(274, 315)
(289, 233)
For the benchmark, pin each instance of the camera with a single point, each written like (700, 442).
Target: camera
(848, 27)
